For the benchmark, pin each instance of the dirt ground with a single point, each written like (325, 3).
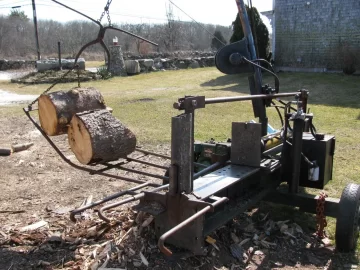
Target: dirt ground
(37, 184)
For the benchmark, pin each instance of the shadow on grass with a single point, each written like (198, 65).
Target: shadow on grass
(325, 89)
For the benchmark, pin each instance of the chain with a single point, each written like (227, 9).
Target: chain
(106, 10)
(78, 77)
(320, 217)
(47, 90)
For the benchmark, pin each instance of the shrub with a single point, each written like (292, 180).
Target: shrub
(218, 40)
(262, 33)
(104, 73)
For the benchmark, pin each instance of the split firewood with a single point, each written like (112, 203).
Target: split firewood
(147, 222)
(34, 226)
(21, 147)
(97, 136)
(56, 109)
(143, 259)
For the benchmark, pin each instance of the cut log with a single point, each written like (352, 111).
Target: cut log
(97, 137)
(56, 109)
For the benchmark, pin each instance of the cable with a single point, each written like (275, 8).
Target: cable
(277, 82)
(198, 23)
(279, 113)
(283, 103)
(312, 164)
(267, 62)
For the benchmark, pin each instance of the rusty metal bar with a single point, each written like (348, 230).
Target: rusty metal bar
(248, 97)
(151, 153)
(208, 169)
(127, 200)
(144, 173)
(306, 202)
(166, 157)
(186, 222)
(296, 155)
(78, 12)
(141, 195)
(147, 163)
(91, 171)
(131, 34)
(106, 199)
(200, 165)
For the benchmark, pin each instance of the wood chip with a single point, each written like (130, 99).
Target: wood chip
(258, 252)
(147, 221)
(267, 244)
(143, 259)
(297, 228)
(264, 218)
(21, 147)
(106, 261)
(283, 228)
(112, 268)
(326, 241)
(234, 238)
(244, 241)
(140, 217)
(34, 226)
(125, 235)
(131, 251)
(210, 240)
(4, 234)
(44, 263)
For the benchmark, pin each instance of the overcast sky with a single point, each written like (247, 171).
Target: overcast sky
(135, 11)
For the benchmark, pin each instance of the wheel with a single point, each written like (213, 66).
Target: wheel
(347, 222)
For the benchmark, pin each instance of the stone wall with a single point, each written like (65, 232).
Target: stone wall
(317, 34)
(171, 55)
(16, 64)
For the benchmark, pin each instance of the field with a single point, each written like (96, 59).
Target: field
(36, 179)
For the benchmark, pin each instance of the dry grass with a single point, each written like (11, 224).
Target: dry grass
(94, 64)
(144, 103)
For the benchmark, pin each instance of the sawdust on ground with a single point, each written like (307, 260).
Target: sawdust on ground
(37, 185)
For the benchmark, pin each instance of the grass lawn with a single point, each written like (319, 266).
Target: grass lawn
(144, 104)
(94, 64)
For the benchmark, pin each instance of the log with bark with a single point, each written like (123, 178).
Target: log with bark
(56, 109)
(98, 137)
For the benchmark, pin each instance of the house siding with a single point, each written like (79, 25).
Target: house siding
(316, 33)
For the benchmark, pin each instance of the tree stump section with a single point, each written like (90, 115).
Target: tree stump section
(97, 137)
(56, 109)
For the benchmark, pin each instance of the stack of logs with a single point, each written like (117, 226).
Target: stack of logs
(94, 134)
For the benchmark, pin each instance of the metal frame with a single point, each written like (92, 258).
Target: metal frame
(197, 203)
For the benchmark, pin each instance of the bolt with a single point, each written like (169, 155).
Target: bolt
(194, 103)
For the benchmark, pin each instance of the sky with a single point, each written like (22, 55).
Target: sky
(135, 11)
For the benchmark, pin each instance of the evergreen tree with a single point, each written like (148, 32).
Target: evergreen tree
(18, 14)
(262, 33)
(215, 42)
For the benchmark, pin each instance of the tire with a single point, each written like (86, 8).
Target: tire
(347, 222)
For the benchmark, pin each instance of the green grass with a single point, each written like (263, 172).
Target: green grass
(93, 64)
(334, 100)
